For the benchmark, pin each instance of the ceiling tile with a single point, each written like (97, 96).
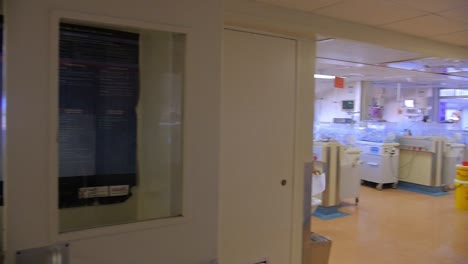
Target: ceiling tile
(303, 5)
(427, 26)
(460, 14)
(357, 61)
(457, 38)
(354, 51)
(432, 6)
(371, 12)
(446, 66)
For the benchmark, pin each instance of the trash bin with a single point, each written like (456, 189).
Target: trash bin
(461, 187)
(317, 250)
(461, 195)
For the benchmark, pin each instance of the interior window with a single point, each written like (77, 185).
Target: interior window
(120, 125)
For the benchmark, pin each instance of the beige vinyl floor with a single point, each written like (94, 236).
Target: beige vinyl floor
(397, 227)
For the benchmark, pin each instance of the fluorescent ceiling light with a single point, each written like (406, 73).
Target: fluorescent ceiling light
(323, 76)
(457, 70)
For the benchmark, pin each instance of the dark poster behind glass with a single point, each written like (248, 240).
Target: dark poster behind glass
(98, 95)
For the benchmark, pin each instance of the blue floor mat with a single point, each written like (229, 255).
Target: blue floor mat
(412, 187)
(328, 213)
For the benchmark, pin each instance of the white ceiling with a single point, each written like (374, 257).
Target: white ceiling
(442, 20)
(387, 68)
(354, 51)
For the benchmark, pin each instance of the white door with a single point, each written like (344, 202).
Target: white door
(257, 148)
(112, 123)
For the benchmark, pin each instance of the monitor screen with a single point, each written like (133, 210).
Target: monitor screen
(347, 105)
(409, 103)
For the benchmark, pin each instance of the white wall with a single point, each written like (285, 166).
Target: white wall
(328, 100)
(30, 129)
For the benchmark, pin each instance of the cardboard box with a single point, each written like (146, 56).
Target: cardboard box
(316, 249)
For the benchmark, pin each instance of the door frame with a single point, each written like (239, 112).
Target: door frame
(303, 131)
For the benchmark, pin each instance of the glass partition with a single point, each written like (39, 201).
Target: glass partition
(453, 92)
(120, 125)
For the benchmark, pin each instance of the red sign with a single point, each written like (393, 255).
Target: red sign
(339, 82)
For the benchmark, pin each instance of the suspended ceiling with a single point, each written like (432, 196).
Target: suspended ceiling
(441, 20)
(387, 68)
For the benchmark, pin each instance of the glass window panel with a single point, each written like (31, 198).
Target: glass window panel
(446, 92)
(461, 92)
(453, 92)
(120, 125)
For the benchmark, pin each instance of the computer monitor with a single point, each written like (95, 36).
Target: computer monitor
(347, 105)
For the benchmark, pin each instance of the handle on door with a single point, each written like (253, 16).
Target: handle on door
(284, 182)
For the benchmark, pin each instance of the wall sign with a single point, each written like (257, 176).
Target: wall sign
(98, 96)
